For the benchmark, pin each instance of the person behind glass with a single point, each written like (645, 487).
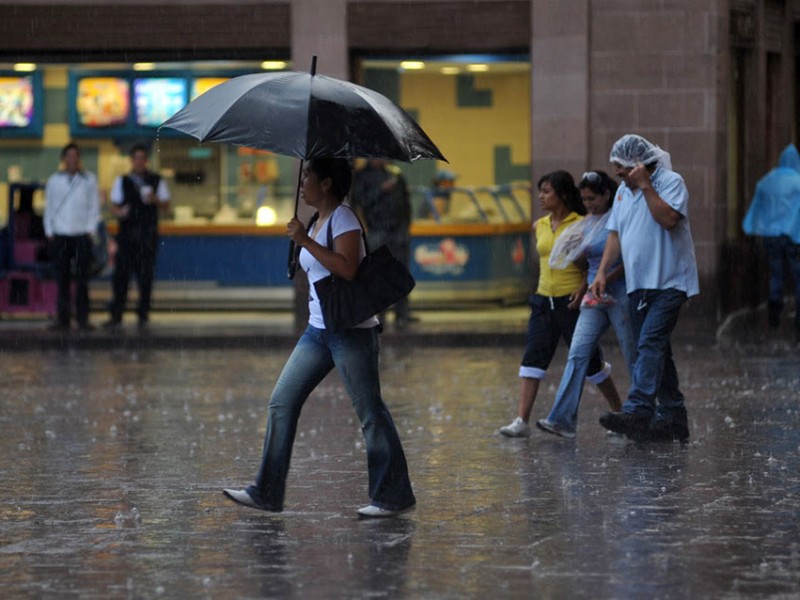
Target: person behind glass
(71, 214)
(774, 214)
(554, 305)
(354, 353)
(136, 200)
(436, 202)
(380, 192)
(596, 315)
(649, 228)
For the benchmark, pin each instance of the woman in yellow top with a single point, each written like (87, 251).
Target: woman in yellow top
(554, 306)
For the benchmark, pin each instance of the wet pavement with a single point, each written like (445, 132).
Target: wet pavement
(114, 455)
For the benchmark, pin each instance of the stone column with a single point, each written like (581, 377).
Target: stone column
(319, 27)
(560, 86)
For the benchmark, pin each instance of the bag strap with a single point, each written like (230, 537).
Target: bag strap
(313, 220)
(330, 229)
(70, 189)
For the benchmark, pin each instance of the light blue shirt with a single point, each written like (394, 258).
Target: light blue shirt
(594, 254)
(655, 258)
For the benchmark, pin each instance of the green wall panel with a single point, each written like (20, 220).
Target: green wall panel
(468, 96)
(506, 171)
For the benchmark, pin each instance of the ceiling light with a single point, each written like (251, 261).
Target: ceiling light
(273, 65)
(144, 66)
(412, 65)
(477, 68)
(449, 70)
(25, 67)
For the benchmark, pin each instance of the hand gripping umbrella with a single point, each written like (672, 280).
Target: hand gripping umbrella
(307, 116)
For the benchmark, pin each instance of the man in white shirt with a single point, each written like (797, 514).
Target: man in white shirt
(136, 200)
(71, 214)
(649, 228)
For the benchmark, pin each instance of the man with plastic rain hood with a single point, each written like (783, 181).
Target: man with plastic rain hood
(649, 228)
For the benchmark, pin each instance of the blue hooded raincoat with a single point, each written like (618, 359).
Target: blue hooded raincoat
(775, 210)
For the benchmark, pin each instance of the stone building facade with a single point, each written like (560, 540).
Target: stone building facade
(715, 82)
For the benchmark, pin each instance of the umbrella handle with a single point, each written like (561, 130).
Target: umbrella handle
(294, 253)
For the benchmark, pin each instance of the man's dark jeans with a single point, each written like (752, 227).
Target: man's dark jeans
(654, 314)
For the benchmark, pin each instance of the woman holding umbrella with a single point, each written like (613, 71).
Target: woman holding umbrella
(354, 353)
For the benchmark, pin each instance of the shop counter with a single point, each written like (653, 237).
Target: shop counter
(453, 264)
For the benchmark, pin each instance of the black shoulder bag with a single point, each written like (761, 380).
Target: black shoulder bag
(381, 280)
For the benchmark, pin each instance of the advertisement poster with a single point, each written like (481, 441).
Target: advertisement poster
(16, 101)
(202, 84)
(157, 99)
(103, 101)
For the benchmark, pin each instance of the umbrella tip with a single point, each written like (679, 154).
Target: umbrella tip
(314, 65)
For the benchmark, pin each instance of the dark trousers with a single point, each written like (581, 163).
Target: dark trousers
(69, 249)
(654, 314)
(139, 258)
(551, 319)
(782, 250)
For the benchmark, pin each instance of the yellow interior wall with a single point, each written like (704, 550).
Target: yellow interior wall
(467, 136)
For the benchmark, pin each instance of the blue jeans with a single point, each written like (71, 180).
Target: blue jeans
(354, 353)
(592, 324)
(778, 249)
(654, 314)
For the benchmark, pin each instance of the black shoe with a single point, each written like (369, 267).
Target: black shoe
(774, 308)
(633, 426)
(85, 327)
(112, 324)
(58, 327)
(662, 430)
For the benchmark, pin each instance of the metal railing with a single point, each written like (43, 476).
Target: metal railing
(505, 203)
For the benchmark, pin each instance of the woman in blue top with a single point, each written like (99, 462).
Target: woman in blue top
(597, 192)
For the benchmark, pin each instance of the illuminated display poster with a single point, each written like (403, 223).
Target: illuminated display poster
(16, 101)
(157, 99)
(202, 84)
(103, 101)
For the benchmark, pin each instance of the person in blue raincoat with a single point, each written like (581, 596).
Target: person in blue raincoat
(774, 215)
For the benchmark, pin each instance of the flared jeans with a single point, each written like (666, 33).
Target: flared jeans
(354, 354)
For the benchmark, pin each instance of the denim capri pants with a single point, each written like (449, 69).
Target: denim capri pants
(551, 320)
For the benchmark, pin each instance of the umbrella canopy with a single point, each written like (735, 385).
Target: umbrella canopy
(304, 115)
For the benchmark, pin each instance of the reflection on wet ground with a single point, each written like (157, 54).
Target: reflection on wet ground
(112, 466)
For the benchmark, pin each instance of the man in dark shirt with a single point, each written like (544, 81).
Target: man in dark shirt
(136, 199)
(380, 193)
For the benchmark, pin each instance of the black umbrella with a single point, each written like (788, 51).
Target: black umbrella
(307, 116)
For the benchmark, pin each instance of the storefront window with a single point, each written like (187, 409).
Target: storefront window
(476, 108)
